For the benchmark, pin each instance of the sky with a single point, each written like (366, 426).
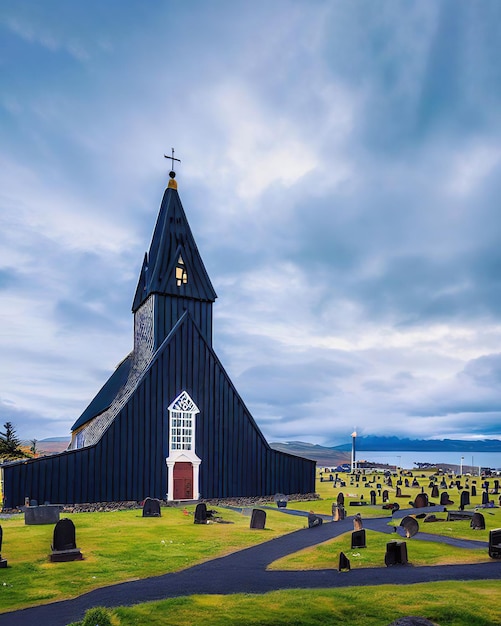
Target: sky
(341, 173)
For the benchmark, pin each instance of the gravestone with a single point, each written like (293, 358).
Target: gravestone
(415, 483)
(338, 513)
(344, 563)
(373, 498)
(64, 547)
(465, 499)
(434, 491)
(407, 482)
(421, 501)
(314, 520)
(340, 499)
(46, 514)
(357, 522)
(281, 499)
(3, 562)
(389, 482)
(258, 519)
(496, 486)
(477, 521)
(485, 497)
(151, 508)
(473, 491)
(444, 499)
(396, 553)
(410, 526)
(459, 516)
(495, 543)
(200, 516)
(386, 495)
(358, 539)
(443, 484)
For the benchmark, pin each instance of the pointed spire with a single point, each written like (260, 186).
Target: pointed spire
(173, 266)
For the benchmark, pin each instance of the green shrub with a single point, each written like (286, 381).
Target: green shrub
(97, 616)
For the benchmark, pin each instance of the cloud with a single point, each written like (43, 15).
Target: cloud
(340, 170)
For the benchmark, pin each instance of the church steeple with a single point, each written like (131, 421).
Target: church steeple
(173, 271)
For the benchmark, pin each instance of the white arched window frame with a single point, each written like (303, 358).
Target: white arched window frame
(182, 423)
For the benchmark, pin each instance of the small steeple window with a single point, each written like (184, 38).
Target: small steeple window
(181, 273)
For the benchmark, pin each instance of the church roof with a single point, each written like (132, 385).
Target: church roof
(173, 265)
(106, 394)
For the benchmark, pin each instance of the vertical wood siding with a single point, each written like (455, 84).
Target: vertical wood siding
(129, 462)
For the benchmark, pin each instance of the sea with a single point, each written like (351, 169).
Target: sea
(471, 461)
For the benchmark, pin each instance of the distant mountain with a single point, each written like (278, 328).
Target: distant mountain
(322, 455)
(394, 444)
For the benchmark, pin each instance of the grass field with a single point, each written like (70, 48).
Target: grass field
(123, 546)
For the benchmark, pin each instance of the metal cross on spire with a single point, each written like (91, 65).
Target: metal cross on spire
(172, 158)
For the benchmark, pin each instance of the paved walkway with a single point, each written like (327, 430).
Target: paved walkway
(245, 572)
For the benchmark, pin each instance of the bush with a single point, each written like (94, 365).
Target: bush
(97, 616)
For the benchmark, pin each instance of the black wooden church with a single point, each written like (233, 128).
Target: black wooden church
(169, 422)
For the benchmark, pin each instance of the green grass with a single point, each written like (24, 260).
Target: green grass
(326, 555)
(120, 546)
(123, 546)
(357, 606)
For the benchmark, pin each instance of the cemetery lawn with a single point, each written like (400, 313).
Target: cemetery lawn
(479, 605)
(120, 546)
(326, 555)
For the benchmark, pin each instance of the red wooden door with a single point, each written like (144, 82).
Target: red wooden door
(183, 481)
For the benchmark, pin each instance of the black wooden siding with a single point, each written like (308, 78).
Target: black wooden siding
(168, 310)
(129, 462)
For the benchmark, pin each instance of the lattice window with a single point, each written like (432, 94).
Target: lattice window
(181, 272)
(182, 422)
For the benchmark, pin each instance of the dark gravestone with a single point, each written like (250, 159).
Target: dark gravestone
(465, 499)
(415, 483)
(496, 486)
(407, 482)
(344, 563)
(443, 484)
(281, 499)
(477, 521)
(3, 562)
(444, 499)
(200, 516)
(331, 477)
(373, 498)
(485, 497)
(410, 526)
(64, 547)
(357, 522)
(473, 491)
(421, 501)
(389, 482)
(495, 543)
(358, 539)
(396, 553)
(48, 514)
(151, 508)
(314, 520)
(340, 499)
(385, 495)
(434, 491)
(459, 516)
(258, 519)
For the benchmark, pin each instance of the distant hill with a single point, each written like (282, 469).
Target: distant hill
(320, 454)
(51, 445)
(394, 444)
